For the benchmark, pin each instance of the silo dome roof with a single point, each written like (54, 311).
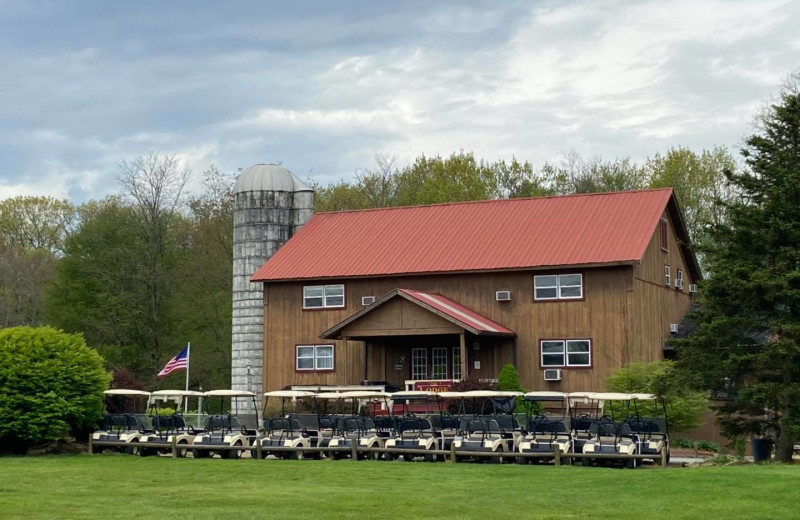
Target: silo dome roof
(269, 177)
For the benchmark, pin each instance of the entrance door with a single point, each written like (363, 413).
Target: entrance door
(435, 363)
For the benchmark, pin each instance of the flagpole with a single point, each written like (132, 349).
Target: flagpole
(188, 355)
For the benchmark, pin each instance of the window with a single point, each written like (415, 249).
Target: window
(558, 287)
(664, 232)
(667, 276)
(419, 363)
(456, 362)
(323, 296)
(314, 357)
(566, 353)
(439, 356)
(679, 280)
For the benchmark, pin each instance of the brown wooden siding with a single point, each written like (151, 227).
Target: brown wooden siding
(626, 313)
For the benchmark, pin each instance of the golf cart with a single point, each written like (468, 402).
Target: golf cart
(547, 431)
(124, 420)
(652, 429)
(410, 432)
(222, 429)
(166, 426)
(497, 432)
(355, 427)
(609, 436)
(451, 412)
(584, 411)
(286, 429)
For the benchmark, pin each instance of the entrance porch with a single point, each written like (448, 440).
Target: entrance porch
(417, 340)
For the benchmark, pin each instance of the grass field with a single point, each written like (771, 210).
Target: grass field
(85, 486)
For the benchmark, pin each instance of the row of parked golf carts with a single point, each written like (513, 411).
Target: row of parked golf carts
(536, 427)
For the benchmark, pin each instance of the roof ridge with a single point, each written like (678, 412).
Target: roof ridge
(500, 200)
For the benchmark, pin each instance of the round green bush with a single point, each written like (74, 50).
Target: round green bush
(50, 384)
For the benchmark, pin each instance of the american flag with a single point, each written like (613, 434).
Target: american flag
(176, 363)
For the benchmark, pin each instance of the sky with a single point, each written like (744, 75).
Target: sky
(323, 87)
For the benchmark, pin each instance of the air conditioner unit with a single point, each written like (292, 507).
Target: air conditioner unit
(679, 283)
(552, 374)
(502, 296)
(692, 287)
(673, 328)
(367, 300)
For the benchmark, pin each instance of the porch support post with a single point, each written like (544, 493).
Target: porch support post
(463, 346)
(366, 360)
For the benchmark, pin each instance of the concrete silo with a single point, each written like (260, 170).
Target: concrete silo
(270, 205)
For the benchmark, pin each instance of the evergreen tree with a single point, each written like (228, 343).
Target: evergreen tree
(748, 339)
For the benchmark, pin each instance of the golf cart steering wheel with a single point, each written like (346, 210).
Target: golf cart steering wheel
(541, 418)
(635, 419)
(606, 418)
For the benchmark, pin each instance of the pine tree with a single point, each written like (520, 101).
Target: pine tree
(748, 340)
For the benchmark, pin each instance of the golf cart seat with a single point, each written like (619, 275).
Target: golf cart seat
(221, 422)
(309, 420)
(603, 429)
(644, 426)
(582, 424)
(168, 422)
(281, 424)
(383, 422)
(480, 425)
(328, 422)
(506, 422)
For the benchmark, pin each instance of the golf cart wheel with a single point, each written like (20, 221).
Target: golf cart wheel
(182, 449)
(296, 455)
(335, 455)
(497, 460)
(431, 457)
(233, 454)
(146, 452)
(523, 460)
(632, 463)
(566, 461)
(200, 454)
(586, 462)
(390, 456)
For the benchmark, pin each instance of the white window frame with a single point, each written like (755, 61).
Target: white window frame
(325, 304)
(457, 363)
(438, 354)
(317, 356)
(679, 279)
(565, 353)
(558, 287)
(414, 365)
(667, 276)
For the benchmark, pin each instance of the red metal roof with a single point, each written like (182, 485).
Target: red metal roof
(586, 229)
(445, 307)
(467, 318)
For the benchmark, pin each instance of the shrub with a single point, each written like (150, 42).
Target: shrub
(508, 380)
(684, 405)
(52, 383)
(467, 385)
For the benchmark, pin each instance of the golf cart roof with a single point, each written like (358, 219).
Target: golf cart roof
(415, 394)
(452, 395)
(330, 395)
(645, 397)
(183, 393)
(230, 393)
(363, 394)
(491, 393)
(125, 391)
(288, 393)
(545, 395)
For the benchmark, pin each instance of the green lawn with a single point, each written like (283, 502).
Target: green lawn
(159, 488)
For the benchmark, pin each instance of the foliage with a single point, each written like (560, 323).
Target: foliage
(52, 383)
(467, 385)
(748, 338)
(685, 406)
(702, 445)
(508, 379)
(92, 487)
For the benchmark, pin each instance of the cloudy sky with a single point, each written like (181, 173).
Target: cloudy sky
(324, 86)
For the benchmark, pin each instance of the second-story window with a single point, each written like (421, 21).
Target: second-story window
(323, 296)
(558, 287)
(667, 276)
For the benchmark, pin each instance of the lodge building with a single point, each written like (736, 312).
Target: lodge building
(566, 288)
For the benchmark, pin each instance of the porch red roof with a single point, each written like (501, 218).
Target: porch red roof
(573, 230)
(454, 312)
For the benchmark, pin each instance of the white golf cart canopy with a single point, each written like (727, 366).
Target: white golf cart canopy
(329, 395)
(645, 397)
(363, 394)
(545, 395)
(415, 394)
(289, 393)
(491, 394)
(229, 393)
(124, 391)
(182, 393)
(452, 395)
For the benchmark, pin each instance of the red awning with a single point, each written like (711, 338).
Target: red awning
(443, 307)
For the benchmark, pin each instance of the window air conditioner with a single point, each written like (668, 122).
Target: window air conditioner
(503, 296)
(673, 328)
(367, 300)
(552, 374)
(693, 288)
